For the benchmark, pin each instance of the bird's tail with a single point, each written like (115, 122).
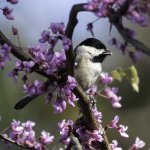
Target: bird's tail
(24, 101)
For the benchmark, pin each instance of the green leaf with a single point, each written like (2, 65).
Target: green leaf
(118, 74)
(134, 79)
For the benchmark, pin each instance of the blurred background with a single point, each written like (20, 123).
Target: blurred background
(31, 18)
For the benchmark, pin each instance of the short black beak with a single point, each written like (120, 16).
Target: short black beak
(107, 52)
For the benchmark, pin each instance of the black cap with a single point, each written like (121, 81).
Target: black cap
(93, 43)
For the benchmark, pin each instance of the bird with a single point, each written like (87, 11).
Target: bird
(89, 55)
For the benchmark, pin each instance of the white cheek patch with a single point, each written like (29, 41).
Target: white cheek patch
(87, 52)
(88, 49)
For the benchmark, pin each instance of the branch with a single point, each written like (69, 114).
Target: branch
(115, 19)
(73, 19)
(7, 139)
(84, 101)
(136, 43)
(18, 53)
(14, 143)
(14, 49)
(74, 144)
(115, 16)
(69, 33)
(83, 98)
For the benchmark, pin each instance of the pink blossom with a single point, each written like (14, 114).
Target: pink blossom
(87, 138)
(138, 144)
(46, 138)
(8, 13)
(114, 122)
(92, 90)
(105, 78)
(65, 129)
(113, 98)
(14, 30)
(122, 130)
(13, 1)
(114, 145)
(57, 28)
(59, 105)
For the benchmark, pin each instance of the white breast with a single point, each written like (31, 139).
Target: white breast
(87, 73)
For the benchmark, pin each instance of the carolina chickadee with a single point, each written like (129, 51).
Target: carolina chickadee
(89, 55)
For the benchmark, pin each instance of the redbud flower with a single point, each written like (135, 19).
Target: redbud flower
(7, 12)
(1, 63)
(48, 98)
(87, 137)
(4, 54)
(71, 82)
(48, 60)
(90, 6)
(27, 65)
(18, 64)
(120, 128)
(59, 59)
(92, 90)
(12, 1)
(71, 99)
(66, 43)
(46, 138)
(45, 35)
(118, 45)
(64, 130)
(70, 85)
(97, 135)
(131, 33)
(122, 47)
(16, 125)
(138, 144)
(112, 41)
(28, 139)
(24, 135)
(135, 56)
(57, 28)
(98, 115)
(114, 122)
(137, 16)
(16, 130)
(136, 12)
(113, 98)
(114, 145)
(59, 105)
(52, 41)
(14, 75)
(105, 78)
(5, 51)
(28, 125)
(14, 30)
(33, 89)
(90, 28)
